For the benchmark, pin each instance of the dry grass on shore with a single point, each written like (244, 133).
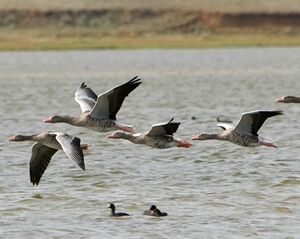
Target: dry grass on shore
(45, 40)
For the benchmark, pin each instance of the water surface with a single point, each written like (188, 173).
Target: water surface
(213, 190)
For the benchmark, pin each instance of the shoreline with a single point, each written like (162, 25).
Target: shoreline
(144, 29)
(21, 43)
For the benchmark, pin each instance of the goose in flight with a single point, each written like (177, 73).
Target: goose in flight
(99, 113)
(288, 99)
(47, 144)
(245, 132)
(160, 136)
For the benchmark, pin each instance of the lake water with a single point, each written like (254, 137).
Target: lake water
(212, 190)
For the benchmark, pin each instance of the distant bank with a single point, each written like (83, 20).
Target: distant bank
(144, 28)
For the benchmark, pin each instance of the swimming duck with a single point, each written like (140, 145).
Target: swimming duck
(116, 214)
(154, 211)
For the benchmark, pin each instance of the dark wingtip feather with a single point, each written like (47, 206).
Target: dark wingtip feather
(83, 85)
(274, 113)
(171, 120)
(135, 81)
(33, 179)
(82, 166)
(119, 94)
(175, 123)
(79, 157)
(134, 78)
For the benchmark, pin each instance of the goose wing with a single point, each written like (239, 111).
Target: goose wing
(85, 97)
(40, 158)
(71, 146)
(109, 103)
(168, 128)
(225, 126)
(251, 122)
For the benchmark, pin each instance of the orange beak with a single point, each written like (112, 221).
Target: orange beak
(13, 138)
(281, 99)
(49, 120)
(111, 136)
(196, 137)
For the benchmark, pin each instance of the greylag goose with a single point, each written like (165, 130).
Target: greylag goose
(288, 99)
(99, 113)
(160, 136)
(154, 211)
(47, 144)
(245, 132)
(116, 214)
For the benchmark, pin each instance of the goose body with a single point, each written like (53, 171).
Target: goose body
(99, 113)
(47, 144)
(245, 132)
(160, 136)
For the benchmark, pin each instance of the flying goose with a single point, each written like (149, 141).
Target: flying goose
(116, 214)
(288, 99)
(47, 144)
(99, 113)
(160, 136)
(245, 132)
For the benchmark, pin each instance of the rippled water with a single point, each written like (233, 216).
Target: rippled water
(213, 190)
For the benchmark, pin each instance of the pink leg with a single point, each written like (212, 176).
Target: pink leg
(128, 129)
(85, 146)
(184, 144)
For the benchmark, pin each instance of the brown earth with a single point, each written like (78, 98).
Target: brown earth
(149, 21)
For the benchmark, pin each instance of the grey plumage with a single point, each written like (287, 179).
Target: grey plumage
(46, 146)
(85, 97)
(159, 136)
(245, 132)
(71, 146)
(39, 160)
(99, 113)
(109, 103)
(168, 128)
(251, 122)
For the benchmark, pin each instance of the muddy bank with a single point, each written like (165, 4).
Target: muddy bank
(145, 21)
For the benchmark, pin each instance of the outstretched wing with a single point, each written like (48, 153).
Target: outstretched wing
(85, 97)
(251, 122)
(40, 158)
(168, 128)
(109, 103)
(225, 126)
(71, 146)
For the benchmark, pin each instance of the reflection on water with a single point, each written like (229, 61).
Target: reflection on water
(213, 190)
